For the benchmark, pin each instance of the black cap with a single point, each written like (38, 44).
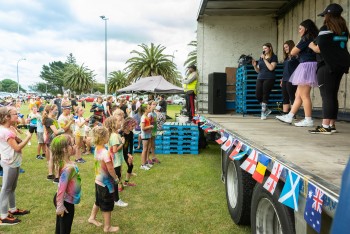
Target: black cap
(193, 67)
(334, 9)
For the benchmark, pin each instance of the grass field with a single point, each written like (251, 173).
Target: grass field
(183, 194)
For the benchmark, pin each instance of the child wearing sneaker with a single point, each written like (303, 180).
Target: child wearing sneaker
(104, 181)
(115, 147)
(79, 132)
(146, 134)
(153, 118)
(32, 120)
(128, 147)
(11, 159)
(40, 135)
(69, 185)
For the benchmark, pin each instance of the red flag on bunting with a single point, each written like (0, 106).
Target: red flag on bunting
(221, 140)
(249, 164)
(227, 144)
(271, 182)
(236, 150)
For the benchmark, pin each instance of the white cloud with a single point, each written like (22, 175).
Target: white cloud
(46, 31)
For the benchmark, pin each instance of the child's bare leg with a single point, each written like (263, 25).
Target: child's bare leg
(92, 218)
(144, 152)
(139, 141)
(107, 223)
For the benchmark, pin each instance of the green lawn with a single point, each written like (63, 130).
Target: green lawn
(183, 194)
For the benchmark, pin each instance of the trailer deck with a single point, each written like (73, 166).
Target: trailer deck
(321, 158)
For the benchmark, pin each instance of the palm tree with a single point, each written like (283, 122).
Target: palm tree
(151, 62)
(192, 56)
(78, 79)
(117, 80)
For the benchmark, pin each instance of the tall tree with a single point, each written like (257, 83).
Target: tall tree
(53, 74)
(151, 62)
(78, 79)
(71, 59)
(117, 80)
(192, 56)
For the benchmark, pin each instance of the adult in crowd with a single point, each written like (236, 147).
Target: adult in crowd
(58, 103)
(74, 103)
(109, 106)
(333, 61)
(265, 68)
(163, 104)
(290, 63)
(139, 103)
(161, 118)
(304, 75)
(190, 87)
(98, 110)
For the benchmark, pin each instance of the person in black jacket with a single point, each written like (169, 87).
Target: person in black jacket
(333, 60)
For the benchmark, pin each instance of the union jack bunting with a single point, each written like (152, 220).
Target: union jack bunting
(313, 208)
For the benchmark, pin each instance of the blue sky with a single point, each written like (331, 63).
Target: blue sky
(43, 31)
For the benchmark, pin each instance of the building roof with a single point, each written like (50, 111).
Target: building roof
(245, 7)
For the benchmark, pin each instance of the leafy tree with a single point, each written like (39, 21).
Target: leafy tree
(192, 56)
(42, 87)
(78, 79)
(151, 62)
(71, 59)
(53, 74)
(8, 85)
(117, 80)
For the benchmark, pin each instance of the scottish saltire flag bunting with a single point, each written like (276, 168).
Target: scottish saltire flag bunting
(221, 140)
(271, 182)
(249, 164)
(241, 154)
(290, 191)
(313, 208)
(237, 149)
(260, 170)
(227, 144)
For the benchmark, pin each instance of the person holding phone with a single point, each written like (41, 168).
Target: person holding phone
(265, 68)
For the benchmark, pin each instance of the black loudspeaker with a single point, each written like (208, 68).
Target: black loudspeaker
(217, 93)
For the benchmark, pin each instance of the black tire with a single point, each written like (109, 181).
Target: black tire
(239, 189)
(224, 159)
(268, 215)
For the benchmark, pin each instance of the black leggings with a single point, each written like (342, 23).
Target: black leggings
(263, 89)
(64, 224)
(130, 166)
(288, 92)
(118, 172)
(329, 86)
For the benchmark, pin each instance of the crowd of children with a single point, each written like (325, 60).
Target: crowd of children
(110, 134)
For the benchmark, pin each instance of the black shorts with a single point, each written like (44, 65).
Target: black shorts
(104, 199)
(32, 129)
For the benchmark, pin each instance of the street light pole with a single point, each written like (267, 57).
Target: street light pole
(172, 59)
(105, 19)
(18, 76)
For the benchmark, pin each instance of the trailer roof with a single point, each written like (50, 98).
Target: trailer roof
(274, 8)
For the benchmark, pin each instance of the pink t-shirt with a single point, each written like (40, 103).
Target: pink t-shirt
(8, 155)
(103, 178)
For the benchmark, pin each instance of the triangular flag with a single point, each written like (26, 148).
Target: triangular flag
(237, 149)
(227, 144)
(313, 207)
(208, 129)
(221, 140)
(249, 164)
(290, 191)
(260, 170)
(240, 155)
(272, 181)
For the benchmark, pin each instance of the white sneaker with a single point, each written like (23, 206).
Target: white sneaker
(285, 118)
(29, 143)
(305, 123)
(149, 165)
(263, 116)
(144, 167)
(121, 203)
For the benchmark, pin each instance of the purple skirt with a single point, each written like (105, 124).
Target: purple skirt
(305, 74)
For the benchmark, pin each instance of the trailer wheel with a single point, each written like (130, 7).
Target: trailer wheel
(268, 215)
(239, 189)
(224, 159)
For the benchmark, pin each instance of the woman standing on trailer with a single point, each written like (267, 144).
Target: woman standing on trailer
(304, 76)
(265, 68)
(333, 61)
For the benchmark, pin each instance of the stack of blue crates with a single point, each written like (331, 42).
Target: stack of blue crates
(180, 138)
(158, 141)
(246, 101)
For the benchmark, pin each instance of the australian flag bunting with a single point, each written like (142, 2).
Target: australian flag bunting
(290, 191)
(313, 208)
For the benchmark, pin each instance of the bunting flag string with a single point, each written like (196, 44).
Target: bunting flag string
(290, 192)
(227, 144)
(249, 164)
(260, 170)
(272, 181)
